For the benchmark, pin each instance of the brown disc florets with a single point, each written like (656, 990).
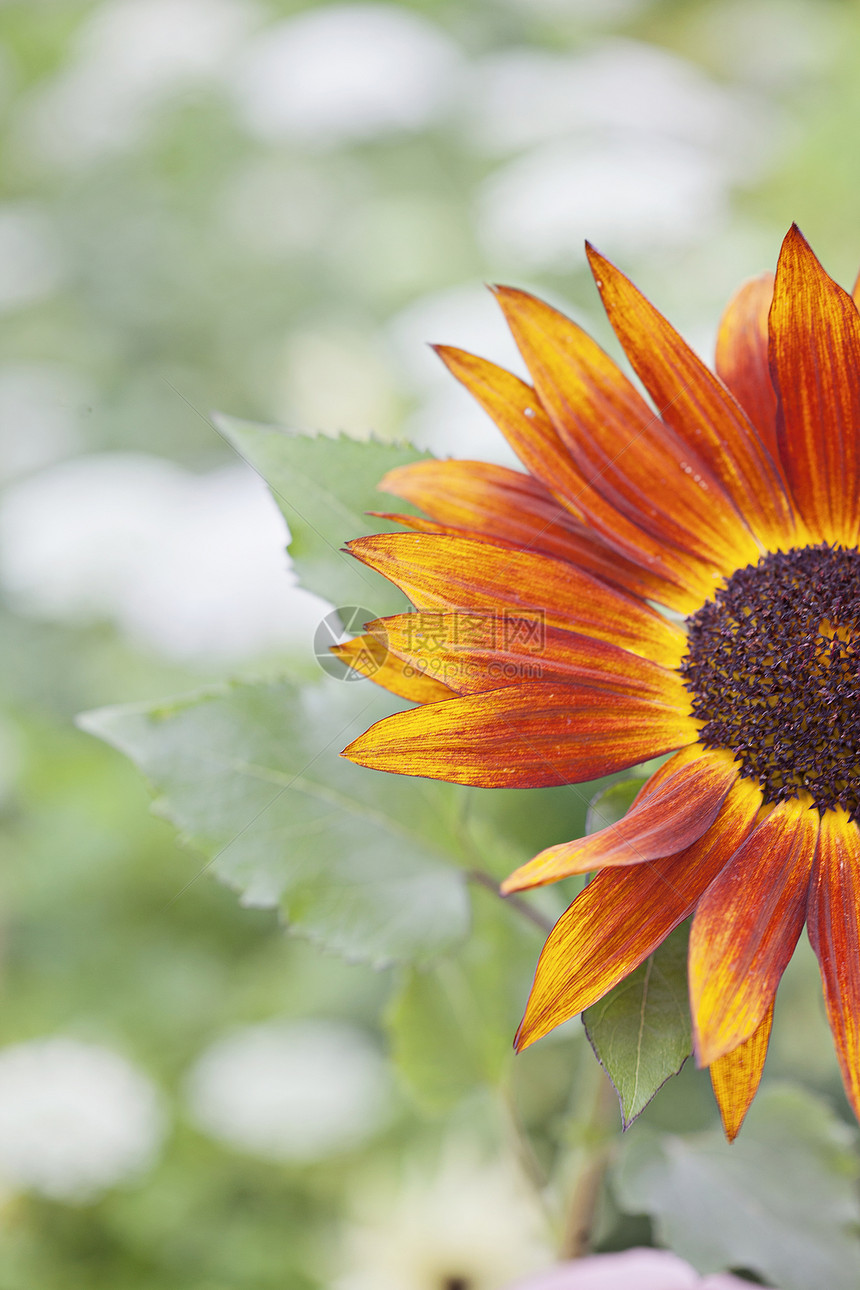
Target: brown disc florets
(773, 666)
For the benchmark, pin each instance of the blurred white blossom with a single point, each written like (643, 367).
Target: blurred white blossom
(450, 423)
(626, 143)
(631, 195)
(292, 1091)
(75, 1118)
(41, 406)
(343, 72)
(466, 317)
(191, 565)
(473, 1223)
(447, 420)
(770, 44)
(31, 264)
(524, 96)
(336, 379)
(130, 56)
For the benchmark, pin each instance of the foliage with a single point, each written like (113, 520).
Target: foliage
(251, 776)
(729, 1206)
(325, 487)
(640, 1030)
(451, 1026)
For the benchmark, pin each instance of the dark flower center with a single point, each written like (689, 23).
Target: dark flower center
(773, 666)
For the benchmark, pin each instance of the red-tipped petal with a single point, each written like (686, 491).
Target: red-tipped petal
(623, 915)
(476, 499)
(368, 655)
(528, 736)
(459, 573)
(667, 768)
(815, 359)
(492, 500)
(746, 928)
(698, 407)
(735, 1077)
(742, 356)
(479, 651)
(593, 557)
(667, 821)
(834, 930)
(517, 411)
(633, 459)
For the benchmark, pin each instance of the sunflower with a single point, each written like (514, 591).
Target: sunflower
(683, 581)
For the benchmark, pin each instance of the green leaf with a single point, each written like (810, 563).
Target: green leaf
(324, 488)
(425, 1024)
(451, 1027)
(640, 1031)
(780, 1201)
(250, 775)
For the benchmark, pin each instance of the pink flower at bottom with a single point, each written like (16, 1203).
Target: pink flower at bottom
(633, 1270)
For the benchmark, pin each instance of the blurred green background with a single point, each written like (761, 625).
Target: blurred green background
(268, 208)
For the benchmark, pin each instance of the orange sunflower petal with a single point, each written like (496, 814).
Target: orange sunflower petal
(368, 655)
(483, 651)
(834, 930)
(815, 357)
(746, 928)
(632, 458)
(493, 500)
(525, 736)
(698, 406)
(735, 1077)
(476, 499)
(461, 573)
(593, 556)
(517, 411)
(742, 356)
(668, 820)
(658, 777)
(624, 914)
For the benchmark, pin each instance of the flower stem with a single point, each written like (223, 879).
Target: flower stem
(595, 1153)
(518, 1134)
(515, 902)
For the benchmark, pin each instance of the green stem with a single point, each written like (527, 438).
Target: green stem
(522, 1146)
(515, 902)
(473, 858)
(595, 1152)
